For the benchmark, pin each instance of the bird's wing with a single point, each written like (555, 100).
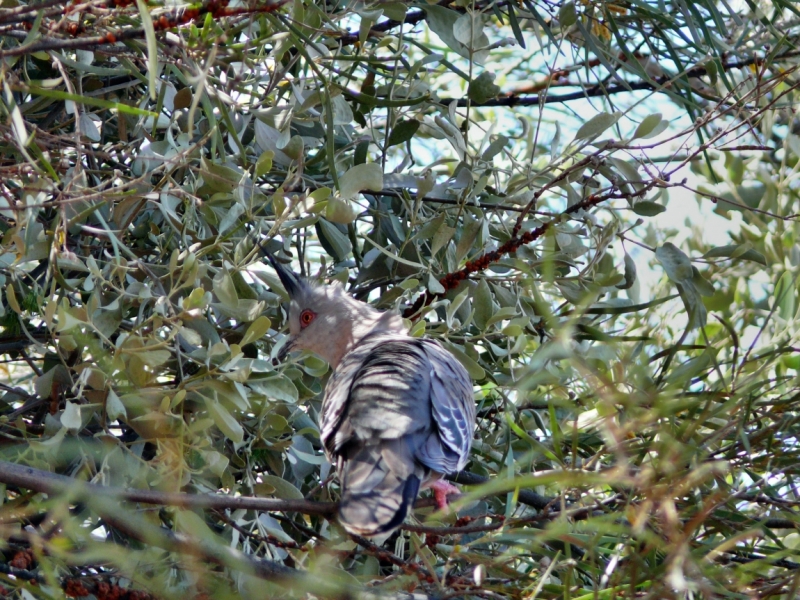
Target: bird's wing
(376, 418)
(380, 390)
(453, 410)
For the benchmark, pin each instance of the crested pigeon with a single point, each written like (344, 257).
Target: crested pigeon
(398, 412)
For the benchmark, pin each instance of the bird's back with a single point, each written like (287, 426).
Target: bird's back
(395, 410)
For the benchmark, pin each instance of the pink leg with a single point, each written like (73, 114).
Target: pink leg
(441, 490)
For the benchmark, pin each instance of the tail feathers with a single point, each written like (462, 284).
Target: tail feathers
(379, 487)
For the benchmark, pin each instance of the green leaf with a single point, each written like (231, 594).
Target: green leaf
(703, 286)
(71, 417)
(495, 148)
(645, 208)
(264, 163)
(115, 409)
(483, 304)
(402, 132)
(630, 273)
(227, 424)
(785, 295)
(333, 241)
(443, 23)
(395, 10)
(152, 46)
(278, 387)
(596, 125)
(567, 15)
(742, 251)
(482, 88)
(191, 524)
(368, 176)
(294, 149)
(676, 264)
(225, 290)
(475, 371)
(219, 178)
(272, 485)
(469, 233)
(442, 237)
(650, 126)
(256, 330)
(340, 211)
(434, 287)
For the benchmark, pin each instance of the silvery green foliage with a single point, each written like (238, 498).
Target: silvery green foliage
(535, 179)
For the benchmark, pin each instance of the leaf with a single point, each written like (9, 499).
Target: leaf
(219, 178)
(650, 126)
(442, 22)
(333, 241)
(703, 286)
(342, 113)
(483, 304)
(225, 290)
(256, 331)
(115, 409)
(629, 171)
(152, 46)
(294, 149)
(567, 15)
(88, 128)
(280, 488)
(264, 163)
(495, 148)
(475, 371)
(676, 264)
(395, 10)
(482, 88)
(11, 296)
(340, 211)
(469, 233)
(368, 176)
(742, 251)
(434, 287)
(394, 257)
(645, 208)
(227, 424)
(402, 132)
(442, 237)
(71, 417)
(278, 388)
(693, 303)
(468, 28)
(597, 125)
(191, 524)
(183, 98)
(784, 296)
(630, 273)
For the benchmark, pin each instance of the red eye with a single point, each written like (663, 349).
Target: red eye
(306, 317)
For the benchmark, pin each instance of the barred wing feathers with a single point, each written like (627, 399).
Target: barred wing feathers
(395, 409)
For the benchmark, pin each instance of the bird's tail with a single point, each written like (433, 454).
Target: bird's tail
(379, 485)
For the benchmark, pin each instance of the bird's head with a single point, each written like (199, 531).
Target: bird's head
(325, 319)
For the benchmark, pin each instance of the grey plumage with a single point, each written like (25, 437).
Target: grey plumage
(398, 412)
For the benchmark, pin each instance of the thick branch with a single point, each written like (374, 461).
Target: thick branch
(52, 483)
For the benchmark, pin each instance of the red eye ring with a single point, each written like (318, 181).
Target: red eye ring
(306, 317)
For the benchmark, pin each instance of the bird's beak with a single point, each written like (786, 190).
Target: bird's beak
(285, 349)
(291, 282)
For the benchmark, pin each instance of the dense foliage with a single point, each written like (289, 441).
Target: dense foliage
(497, 171)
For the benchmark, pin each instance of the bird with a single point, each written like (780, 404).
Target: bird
(398, 412)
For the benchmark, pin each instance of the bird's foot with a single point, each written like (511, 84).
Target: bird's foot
(441, 490)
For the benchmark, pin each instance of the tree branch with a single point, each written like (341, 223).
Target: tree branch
(658, 84)
(451, 280)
